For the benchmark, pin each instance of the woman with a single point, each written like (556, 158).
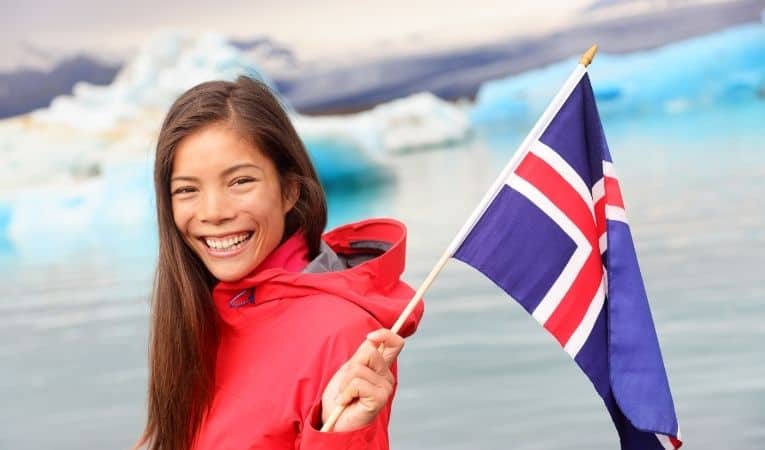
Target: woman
(257, 319)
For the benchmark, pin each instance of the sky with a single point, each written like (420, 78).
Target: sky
(34, 32)
(312, 28)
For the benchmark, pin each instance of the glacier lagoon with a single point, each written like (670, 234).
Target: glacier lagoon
(76, 276)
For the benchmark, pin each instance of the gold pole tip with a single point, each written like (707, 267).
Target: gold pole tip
(588, 56)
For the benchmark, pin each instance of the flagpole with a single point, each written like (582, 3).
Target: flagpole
(535, 133)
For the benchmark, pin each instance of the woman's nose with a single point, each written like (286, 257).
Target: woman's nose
(215, 209)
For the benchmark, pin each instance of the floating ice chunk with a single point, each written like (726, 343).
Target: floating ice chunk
(419, 121)
(722, 67)
(122, 194)
(341, 147)
(36, 221)
(165, 66)
(35, 153)
(351, 147)
(5, 217)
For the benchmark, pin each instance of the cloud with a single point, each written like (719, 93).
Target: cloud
(312, 27)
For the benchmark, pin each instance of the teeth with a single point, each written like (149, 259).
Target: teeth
(228, 243)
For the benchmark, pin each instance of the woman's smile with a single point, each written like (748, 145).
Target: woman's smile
(226, 245)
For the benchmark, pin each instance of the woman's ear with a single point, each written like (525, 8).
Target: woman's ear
(291, 193)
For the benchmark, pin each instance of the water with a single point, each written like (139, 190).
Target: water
(480, 373)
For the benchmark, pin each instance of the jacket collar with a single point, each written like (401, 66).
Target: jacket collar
(372, 254)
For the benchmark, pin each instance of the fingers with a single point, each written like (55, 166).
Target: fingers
(370, 367)
(362, 391)
(365, 383)
(361, 382)
(367, 354)
(392, 344)
(353, 369)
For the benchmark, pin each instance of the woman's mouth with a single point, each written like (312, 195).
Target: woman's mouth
(229, 243)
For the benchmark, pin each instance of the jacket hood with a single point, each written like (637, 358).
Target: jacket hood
(360, 262)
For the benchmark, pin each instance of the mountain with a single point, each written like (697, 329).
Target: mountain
(27, 89)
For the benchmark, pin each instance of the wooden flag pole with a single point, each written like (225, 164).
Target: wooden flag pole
(397, 326)
(541, 124)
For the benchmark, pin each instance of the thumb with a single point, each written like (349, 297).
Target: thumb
(347, 395)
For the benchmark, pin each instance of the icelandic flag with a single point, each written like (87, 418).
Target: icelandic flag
(555, 237)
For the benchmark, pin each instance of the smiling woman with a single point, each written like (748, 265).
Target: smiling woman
(256, 316)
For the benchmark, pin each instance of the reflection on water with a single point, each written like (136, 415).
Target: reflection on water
(480, 373)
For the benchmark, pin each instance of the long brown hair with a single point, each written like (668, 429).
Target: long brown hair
(184, 335)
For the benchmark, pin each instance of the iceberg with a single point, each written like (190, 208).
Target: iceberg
(50, 220)
(97, 124)
(419, 121)
(78, 134)
(164, 67)
(727, 66)
(333, 144)
(85, 162)
(415, 122)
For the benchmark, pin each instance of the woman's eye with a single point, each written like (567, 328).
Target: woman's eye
(242, 180)
(184, 190)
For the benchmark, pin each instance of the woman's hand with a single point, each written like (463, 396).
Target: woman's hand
(364, 383)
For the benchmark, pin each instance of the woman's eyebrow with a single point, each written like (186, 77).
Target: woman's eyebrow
(223, 174)
(184, 178)
(236, 167)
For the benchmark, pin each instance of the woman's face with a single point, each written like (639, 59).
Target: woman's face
(227, 201)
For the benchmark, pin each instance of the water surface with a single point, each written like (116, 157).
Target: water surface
(480, 373)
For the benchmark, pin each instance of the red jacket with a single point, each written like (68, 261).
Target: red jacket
(285, 330)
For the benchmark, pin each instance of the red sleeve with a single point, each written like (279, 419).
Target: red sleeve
(338, 350)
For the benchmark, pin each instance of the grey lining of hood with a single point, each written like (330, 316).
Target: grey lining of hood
(329, 261)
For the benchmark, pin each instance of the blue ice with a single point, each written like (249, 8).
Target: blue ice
(727, 66)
